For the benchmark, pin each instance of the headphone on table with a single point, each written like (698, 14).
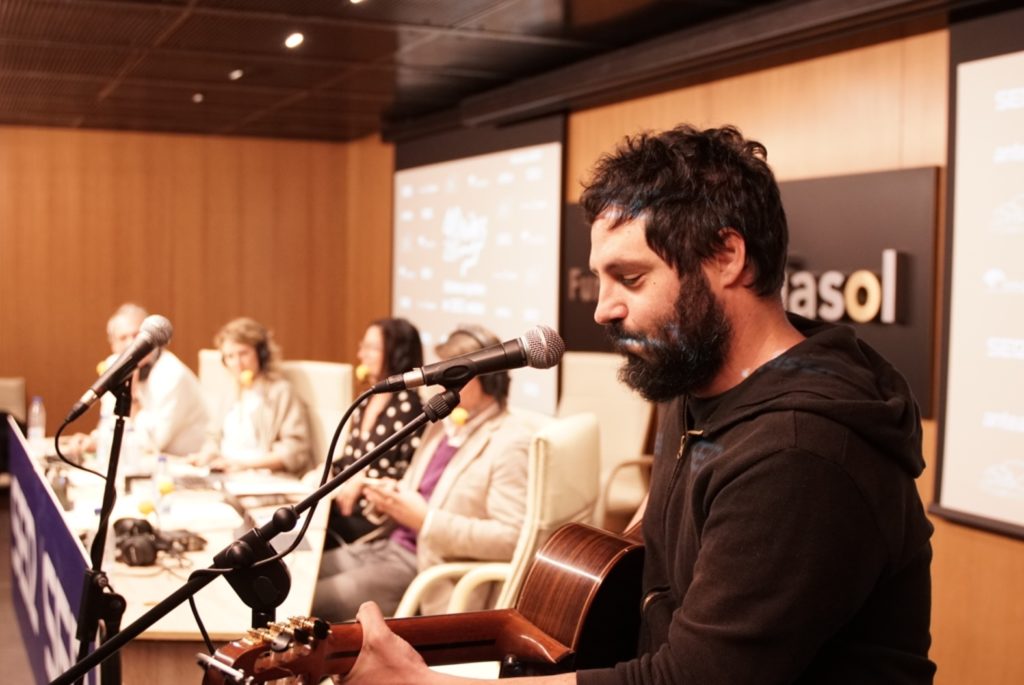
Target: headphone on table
(138, 543)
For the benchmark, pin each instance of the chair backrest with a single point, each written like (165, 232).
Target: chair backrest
(214, 378)
(12, 397)
(590, 383)
(325, 388)
(563, 486)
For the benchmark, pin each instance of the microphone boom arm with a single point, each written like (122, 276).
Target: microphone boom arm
(282, 521)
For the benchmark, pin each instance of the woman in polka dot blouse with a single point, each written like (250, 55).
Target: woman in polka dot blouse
(389, 346)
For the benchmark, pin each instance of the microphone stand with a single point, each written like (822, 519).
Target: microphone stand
(99, 603)
(249, 557)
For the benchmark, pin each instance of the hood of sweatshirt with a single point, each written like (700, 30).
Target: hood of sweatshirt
(838, 376)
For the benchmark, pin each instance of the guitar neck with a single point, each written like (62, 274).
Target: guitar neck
(445, 639)
(458, 638)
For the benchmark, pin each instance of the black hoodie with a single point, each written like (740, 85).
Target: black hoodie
(785, 538)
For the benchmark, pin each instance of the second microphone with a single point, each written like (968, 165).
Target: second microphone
(541, 347)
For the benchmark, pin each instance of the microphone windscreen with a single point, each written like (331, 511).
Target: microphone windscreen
(158, 329)
(544, 347)
(362, 372)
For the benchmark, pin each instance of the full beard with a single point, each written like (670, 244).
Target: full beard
(685, 353)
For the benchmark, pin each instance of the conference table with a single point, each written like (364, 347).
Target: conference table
(49, 558)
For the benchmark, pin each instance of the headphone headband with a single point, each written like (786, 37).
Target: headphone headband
(493, 384)
(477, 333)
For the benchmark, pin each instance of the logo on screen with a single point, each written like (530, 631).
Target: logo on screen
(465, 236)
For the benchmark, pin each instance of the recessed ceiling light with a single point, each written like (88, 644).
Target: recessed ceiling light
(355, 2)
(294, 40)
(236, 74)
(197, 98)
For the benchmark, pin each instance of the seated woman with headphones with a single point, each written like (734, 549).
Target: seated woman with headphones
(389, 346)
(261, 422)
(462, 497)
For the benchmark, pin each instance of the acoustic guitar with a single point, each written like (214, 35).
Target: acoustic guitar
(579, 607)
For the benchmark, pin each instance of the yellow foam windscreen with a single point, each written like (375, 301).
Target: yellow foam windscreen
(459, 416)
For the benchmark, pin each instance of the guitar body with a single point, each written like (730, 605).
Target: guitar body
(583, 590)
(579, 607)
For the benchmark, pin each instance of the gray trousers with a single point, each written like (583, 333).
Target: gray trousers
(378, 570)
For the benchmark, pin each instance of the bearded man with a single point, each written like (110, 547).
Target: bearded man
(785, 538)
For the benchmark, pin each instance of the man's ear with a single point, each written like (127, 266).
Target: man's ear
(729, 263)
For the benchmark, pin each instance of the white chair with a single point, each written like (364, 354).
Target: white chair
(214, 378)
(590, 384)
(12, 397)
(324, 387)
(562, 487)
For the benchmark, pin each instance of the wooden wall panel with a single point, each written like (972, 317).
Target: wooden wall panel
(977, 580)
(200, 229)
(331, 335)
(367, 265)
(872, 108)
(924, 111)
(977, 612)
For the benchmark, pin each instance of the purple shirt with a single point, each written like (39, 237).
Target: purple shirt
(406, 537)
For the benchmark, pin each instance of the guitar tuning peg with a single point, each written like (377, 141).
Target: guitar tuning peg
(321, 629)
(278, 626)
(260, 635)
(281, 642)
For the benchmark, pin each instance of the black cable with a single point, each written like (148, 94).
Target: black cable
(202, 628)
(328, 467)
(60, 455)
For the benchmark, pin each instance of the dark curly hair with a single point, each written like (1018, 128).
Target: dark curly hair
(403, 350)
(690, 185)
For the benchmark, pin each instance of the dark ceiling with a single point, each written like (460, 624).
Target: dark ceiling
(375, 65)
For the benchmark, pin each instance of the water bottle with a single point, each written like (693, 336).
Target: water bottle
(163, 485)
(37, 427)
(128, 459)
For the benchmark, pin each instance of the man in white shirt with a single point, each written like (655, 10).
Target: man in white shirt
(168, 413)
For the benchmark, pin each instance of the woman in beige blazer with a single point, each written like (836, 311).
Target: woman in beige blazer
(463, 497)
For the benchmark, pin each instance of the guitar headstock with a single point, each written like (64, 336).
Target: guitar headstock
(294, 648)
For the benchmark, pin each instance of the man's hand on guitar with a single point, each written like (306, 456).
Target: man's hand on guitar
(385, 657)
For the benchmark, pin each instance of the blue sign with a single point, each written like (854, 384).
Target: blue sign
(47, 566)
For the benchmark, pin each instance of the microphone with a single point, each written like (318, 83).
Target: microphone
(155, 332)
(540, 347)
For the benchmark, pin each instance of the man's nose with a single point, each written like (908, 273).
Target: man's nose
(609, 308)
